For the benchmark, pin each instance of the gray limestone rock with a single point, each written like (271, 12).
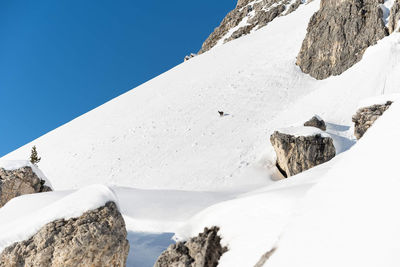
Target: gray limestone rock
(394, 17)
(204, 250)
(256, 13)
(296, 154)
(338, 34)
(316, 122)
(22, 181)
(365, 117)
(95, 239)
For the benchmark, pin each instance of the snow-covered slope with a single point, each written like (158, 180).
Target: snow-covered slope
(167, 133)
(328, 222)
(350, 217)
(344, 211)
(166, 139)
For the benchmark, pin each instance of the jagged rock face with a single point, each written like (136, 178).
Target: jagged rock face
(251, 15)
(338, 35)
(204, 250)
(95, 239)
(365, 117)
(316, 122)
(394, 17)
(297, 154)
(14, 183)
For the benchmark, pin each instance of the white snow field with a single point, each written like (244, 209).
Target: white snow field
(167, 133)
(175, 166)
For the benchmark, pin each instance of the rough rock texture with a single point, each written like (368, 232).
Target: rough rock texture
(264, 258)
(204, 250)
(365, 117)
(316, 122)
(14, 183)
(338, 34)
(297, 154)
(97, 238)
(251, 15)
(394, 18)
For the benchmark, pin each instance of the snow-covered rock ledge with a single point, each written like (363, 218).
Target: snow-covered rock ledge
(20, 178)
(64, 228)
(369, 110)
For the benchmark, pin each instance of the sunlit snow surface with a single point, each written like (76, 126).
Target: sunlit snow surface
(175, 166)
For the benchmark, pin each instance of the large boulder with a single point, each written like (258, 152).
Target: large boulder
(204, 250)
(338, 35)
(248, 15)
(22, 181)
(95, 239)
(365, 117)
(296, 154)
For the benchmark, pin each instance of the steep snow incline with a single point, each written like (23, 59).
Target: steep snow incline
(167, 133)
(350, 217)
(252, 224)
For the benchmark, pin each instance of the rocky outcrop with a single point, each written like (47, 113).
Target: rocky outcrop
(204, 250)
(394, 17)
(316, 122)
(22, 181)
(247, 16)
(338, 34)
(365, 117)
(95, 239)
(296, 154)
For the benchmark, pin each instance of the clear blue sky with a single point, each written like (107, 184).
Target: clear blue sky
(62, 58)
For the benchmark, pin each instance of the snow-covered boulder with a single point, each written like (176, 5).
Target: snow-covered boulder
(20, 181)
(316, 122)
(365, 117)
(297, 153)
(96, 238)
(201, 251)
